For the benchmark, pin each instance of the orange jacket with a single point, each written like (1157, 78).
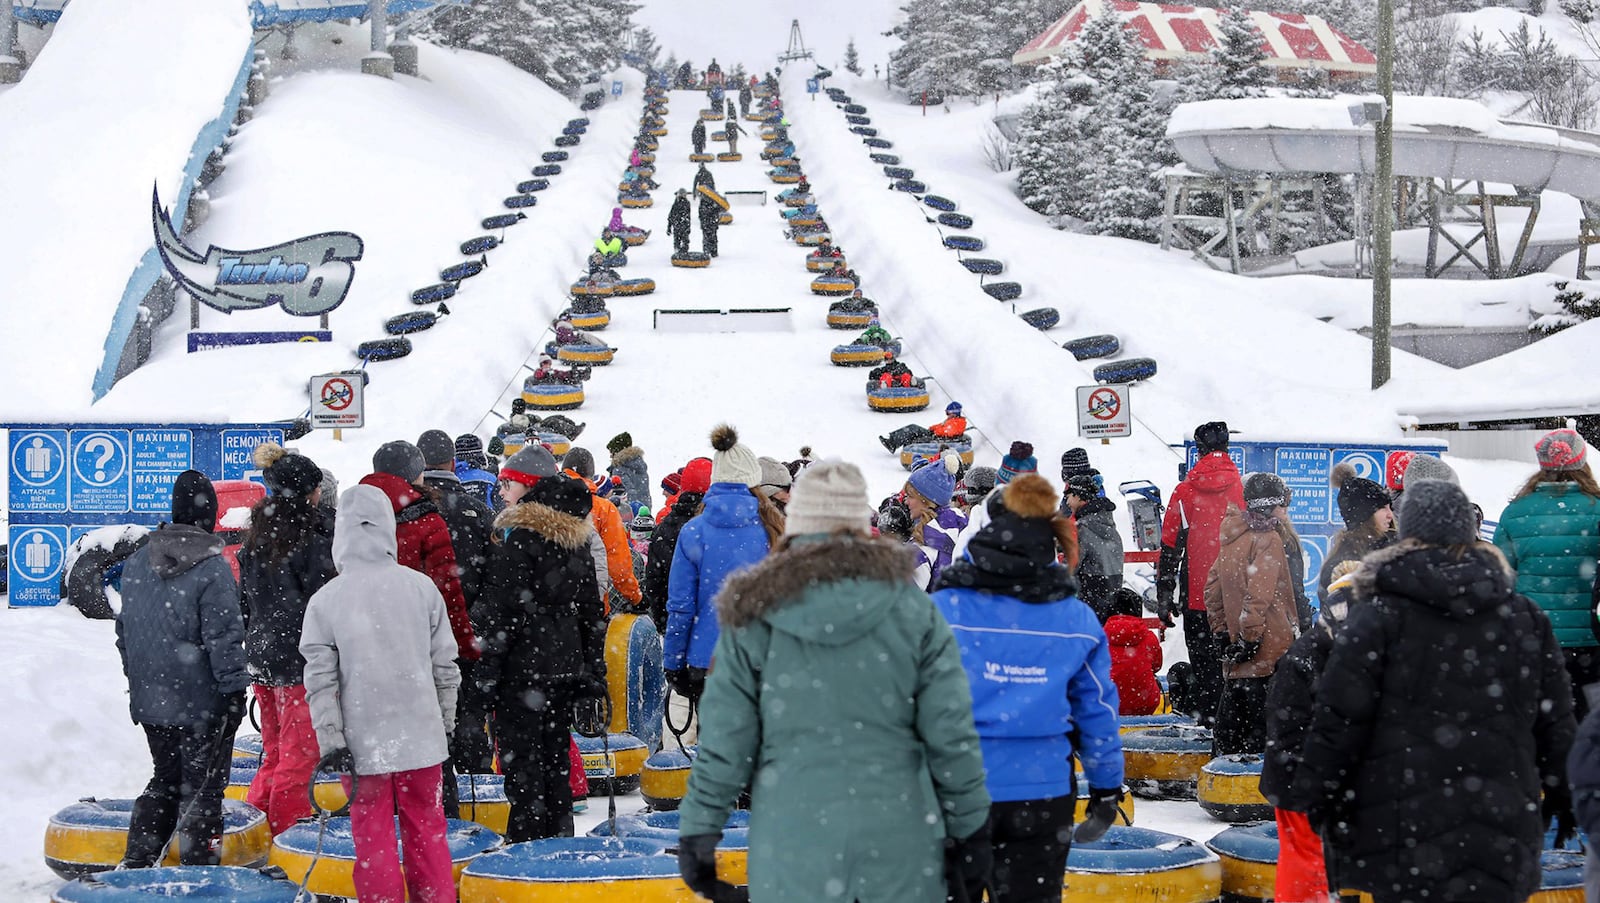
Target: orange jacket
(619, 554)
(950, 428)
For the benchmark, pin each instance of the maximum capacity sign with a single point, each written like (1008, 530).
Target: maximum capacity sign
(336, 401)
(1104, 412)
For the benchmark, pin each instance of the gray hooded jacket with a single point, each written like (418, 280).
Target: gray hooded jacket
(380, 675)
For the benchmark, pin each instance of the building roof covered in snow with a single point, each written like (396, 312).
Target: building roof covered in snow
(1173, 33)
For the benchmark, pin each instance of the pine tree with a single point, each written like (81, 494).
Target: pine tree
(646, 48)
(562, 45)
(1044, 155)
(1573, 306)
(1125, 189)
(852, 59)
(1239, 56)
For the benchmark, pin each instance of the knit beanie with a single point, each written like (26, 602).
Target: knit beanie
(696, 476)
(1438, 513)
(643, 526)
(531, 464)
(1427, 467)
(1018, 460)
(438, 450)
(672, 483)
(1561, 449)
(1359, 498)
(619, 442)
(330, 489)
(1211, 437)
(775, 477)
(936, 480)
(1394, 469)
(1083, 486)
(732, 462)
(284, 472)
(978, 483)
(827, 496)
(469, 451)
(194, 501)
(564, 494)
(1265, 491)
(399, 458)
(579, 461)
(1074, 463)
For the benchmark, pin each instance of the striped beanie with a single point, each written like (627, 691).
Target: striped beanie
(1019, 460)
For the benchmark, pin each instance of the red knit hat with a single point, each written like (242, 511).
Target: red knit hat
(1394, 469)
(696, 476)
(1561, 450)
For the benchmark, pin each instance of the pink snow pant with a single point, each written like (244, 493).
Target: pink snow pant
(416, 796)
(288, 757)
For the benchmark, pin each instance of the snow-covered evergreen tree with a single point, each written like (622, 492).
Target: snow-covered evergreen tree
(562, 44)
(852, 58)
(1125, 188)
(1239, 56)
(1048, 166)
(646, 47)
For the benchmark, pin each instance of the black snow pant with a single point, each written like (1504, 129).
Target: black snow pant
(699, 140)
(680, 242)
(1031, 841)
(471, 751)
(535, 756)
(1207, 663)
(184, 795)
(1583, 668)
(1241, 717)
(910, 433)
(708, 237)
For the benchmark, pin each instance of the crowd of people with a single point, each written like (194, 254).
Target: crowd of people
(897, 689)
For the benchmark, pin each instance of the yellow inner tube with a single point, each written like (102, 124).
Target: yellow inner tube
(95, 848)
(549, 400)
(1250, 880)
(496, 889)
(898, 402)
(1195, 883)
(572, 354)
(664, 783)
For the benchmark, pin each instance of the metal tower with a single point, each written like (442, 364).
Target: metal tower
(797, 45)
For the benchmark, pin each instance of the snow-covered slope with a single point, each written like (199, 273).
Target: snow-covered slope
(754, 32)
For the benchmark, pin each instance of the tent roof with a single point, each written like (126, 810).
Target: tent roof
(1171, 32)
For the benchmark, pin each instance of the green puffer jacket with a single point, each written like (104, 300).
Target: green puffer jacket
(837, 695)
(1552, 538)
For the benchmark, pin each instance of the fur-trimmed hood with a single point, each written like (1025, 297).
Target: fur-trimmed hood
(1437, 575)
(565, 530)
(782, 577)
(631, 453)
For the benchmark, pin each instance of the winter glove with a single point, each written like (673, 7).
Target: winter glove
(1102, 813)
(339, 761)
(697, 863)
(234, 706)
(968, 862)
(1220, 643)
(678, 680)
(1558, 805)
(592, 686)
(1242, 651)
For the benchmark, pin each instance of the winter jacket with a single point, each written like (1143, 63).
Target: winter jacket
(629, 464)
(470, 522)
(1100, 553)
(939, 538)
(1551, 537)
(1135, 659)
(1039, 668)
(381, 675)
(838, 699)
(1250, 593)
(1443, 709)
(1189, 530)
(607, 521)
(481, 483)
(616, 224)
(663, 546)
(708, 214)
(726, 537)
(602, 575)
(544, 625)
(423, 540)
(608, 248)
(1348, 545)
(179, 633)
(1291, 701)
(275, 595)
(678, 222)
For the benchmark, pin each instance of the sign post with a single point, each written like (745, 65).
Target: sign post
(812, 87)
(337, 402)
(616, 89)
(1105, 412)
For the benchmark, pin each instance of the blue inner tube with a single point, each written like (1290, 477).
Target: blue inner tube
(480, 245)
(1043, 318)
(432, 293)
(1176, 738)
(532, 185)
(1093, 346)
(238, 885)
(566, 140)
(855, 109)
(548, 169)
(582, 122)
(886, 159)
(574, 130)
(983, 266)
(577, 858)
(899, 172)
(1131, 370)
(1125, 849)
(955, 220)
(407, 323)
(384, 349)
(866, 131)
(466, 839)
(878, 142)
(1251, 843)
(910, 186)
(963, 242)
(940, 203)
(662, 827)
(633, 196)
(463, 270)
(485, 788)
(554, 156)
(520, 201)
(898, 391)
(502, 220)
(1003, 291)
(858, 120)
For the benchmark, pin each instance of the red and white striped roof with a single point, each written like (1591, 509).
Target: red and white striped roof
(1170, 32)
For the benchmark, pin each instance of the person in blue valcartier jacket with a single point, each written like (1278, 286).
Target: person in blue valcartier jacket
(1040, 671)
(735, 530)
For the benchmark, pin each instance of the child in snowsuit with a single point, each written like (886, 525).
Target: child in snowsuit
(891, 373)
(953, 427)
(1135, 655)
(875, 335)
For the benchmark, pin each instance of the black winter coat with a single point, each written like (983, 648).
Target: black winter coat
(1443, 710)
(678, 222)
(1291, 701)
(658, 559)
(543, 624)
(1583, 774)
(274, 594)
(709, 213)
(471, 525)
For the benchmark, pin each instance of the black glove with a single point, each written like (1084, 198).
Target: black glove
(1101, 815)
(1242, 651)
(687, 682)
(234, 706)
(340, 761)
(1220, 643)
(968, 862)
(592, 686)
(678, 680)
(697, 863)
(1558, 805)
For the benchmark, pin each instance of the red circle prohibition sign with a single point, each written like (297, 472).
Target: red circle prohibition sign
(337, 394)
(1104, 404)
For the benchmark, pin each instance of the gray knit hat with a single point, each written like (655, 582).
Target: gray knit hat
(1427, 467)
(532, 463)
(827, 496)
(437, 448)
(579, 461)
(775, 477)
(1437, 513)
(978, 483)
(399, 458)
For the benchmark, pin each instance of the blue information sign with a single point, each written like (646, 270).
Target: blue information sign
(159, 455)
(1305, 472)
(37, 553)
(236, 448)
(38, 470)
(99, 480)
(616, 89)
(813, 86)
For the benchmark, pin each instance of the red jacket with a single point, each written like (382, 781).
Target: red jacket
(1135, 658)
(424, 545)
(1192, 523)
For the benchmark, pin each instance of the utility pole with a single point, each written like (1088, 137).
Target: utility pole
(378, 62)
(10, 66)
(1383, 199)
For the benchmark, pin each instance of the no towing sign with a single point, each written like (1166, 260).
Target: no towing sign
(1104, 412)
(336, 401)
